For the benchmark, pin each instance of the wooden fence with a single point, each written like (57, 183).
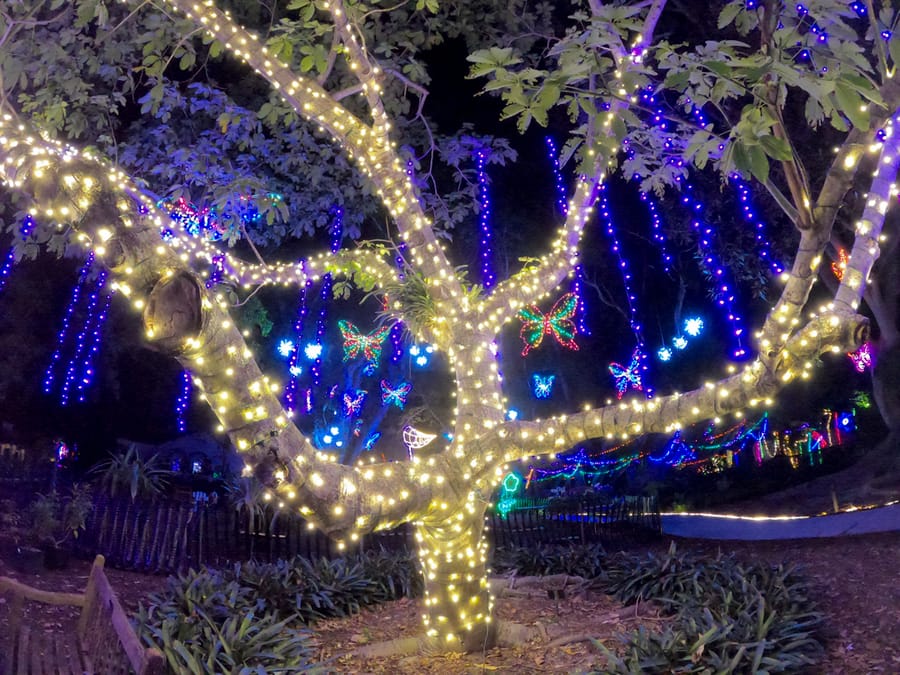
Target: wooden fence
(616, 521)
(168, 536)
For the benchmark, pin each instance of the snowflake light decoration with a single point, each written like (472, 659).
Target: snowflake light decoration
(629, 376)
(312, 351)
(356, 344)
(395, 395)
(557, 322)
(679, 342)
(664, 354)
(285, 348)
(693, 326)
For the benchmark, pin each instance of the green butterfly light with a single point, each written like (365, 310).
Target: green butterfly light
(557, 322)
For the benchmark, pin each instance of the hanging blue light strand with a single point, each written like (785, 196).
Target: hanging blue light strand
(714, 268)
(50, 374)
(633, 321)
(337, 235)
(183, 401)
(89, 368)
(561, 203)
(562, 206)
(658, 235)
(290, 392)
(25, 230)
(75, 363)
(765, 251)
(484, 219)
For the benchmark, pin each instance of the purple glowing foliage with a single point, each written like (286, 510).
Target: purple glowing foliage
(633, 322)
(87, 374)
(713, 267)
(183, 401)
(77, 362)
(561, 203)
(484, 219)
(25, 230)
(765, 251)
(290, 391)
(49, 374)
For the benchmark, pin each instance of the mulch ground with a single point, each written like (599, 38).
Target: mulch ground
(854, 578)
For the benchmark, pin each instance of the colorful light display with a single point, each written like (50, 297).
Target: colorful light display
(862, 357)
(354, 402)
(557, 322)
(357, 344)
(25, 230)
(542, 385)
(396, 396)
(627, 376)
(484, 219)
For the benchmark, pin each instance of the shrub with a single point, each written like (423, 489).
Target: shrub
(199, 622)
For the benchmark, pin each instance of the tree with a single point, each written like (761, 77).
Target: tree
(595, 70)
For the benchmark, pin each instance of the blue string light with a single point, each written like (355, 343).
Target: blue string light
(484, 219)
(658, 235)
(50, 374)
(711, 264)
(75, 363)
(183, 401)
(561, 203)
(337, 235)
(25, 230)
(765, 251)
(290, 392)
(88, 368)
(633, 322)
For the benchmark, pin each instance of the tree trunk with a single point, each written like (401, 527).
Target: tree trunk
(886, 389)
(453, 555)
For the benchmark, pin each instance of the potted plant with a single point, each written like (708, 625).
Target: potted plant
(52, 522)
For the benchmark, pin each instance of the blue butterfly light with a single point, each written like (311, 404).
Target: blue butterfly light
(395, 395)
(627, 377)
(542, 385)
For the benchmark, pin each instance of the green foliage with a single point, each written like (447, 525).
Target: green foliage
(727, 616)
(53, 518)
(139, 476)
(200, 621)
(583, 560)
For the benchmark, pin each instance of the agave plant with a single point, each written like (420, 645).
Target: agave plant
(131, 472)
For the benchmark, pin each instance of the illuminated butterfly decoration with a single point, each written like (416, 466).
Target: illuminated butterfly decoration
(557, 322)
(395, 395)
(627, 377)
(542, 385)
(356, 344)
(371, 440)
(862, 357)
(839, 266)
(353, 402)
